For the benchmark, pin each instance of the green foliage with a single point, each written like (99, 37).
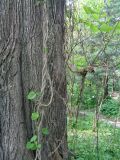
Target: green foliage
(35, 116)
(118, 26)
(33, 139)
(106, 28)
(33, 144)
(95, 29)
(45, 131)
(89, 100)
(78, 60)
(89, 10)
(73, 92)
(89, 94)
(82, 140)
(94, 16)
(110, 107)
(31, 95)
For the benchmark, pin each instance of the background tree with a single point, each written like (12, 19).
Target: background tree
(90, 47)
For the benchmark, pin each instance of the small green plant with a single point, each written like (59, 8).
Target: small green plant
(110, 107)
(45, 131)
(33, 143)
(35, 116)
(82, 140)
(32, 95)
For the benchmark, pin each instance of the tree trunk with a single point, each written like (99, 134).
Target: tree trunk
(106, 93)
(20, 63)
(54, 145)
(21, 44)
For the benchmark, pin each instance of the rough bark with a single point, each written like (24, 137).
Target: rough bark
(54, 145)
(21, 45)
(20, 63)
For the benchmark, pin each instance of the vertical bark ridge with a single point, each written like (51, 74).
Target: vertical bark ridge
(20, 63)
(54, 146)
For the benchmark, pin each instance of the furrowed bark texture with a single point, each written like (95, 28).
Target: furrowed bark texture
(20, 63)
(54, 146)
(22, 36)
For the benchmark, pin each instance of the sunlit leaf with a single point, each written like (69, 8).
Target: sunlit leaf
(89, 10)
(117, 26)
(94, 28)
(32, 95)
(31, 146)
(45, 131)
(35, 116)
(105, 28)
(96, 16)
(33, 139)
(81, 20)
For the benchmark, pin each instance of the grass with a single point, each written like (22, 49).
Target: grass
(82, 140)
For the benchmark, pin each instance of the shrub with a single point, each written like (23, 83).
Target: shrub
(110, 107)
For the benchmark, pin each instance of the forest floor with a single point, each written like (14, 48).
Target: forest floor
(89, 143)
(111, 121)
